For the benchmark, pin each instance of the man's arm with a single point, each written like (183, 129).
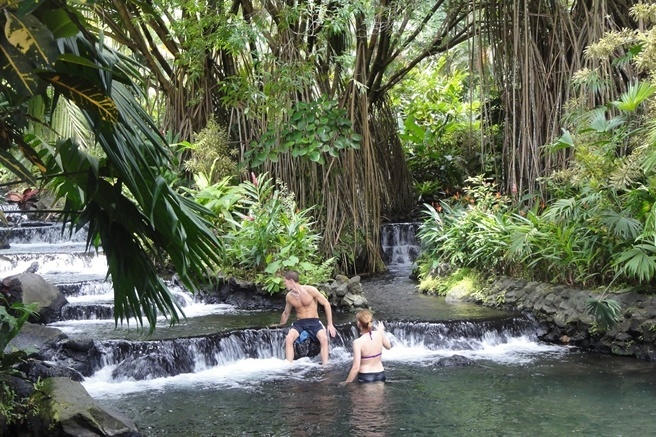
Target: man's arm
(321, 299)
(285, 314)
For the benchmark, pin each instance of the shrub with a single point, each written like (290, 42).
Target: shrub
(267, 233)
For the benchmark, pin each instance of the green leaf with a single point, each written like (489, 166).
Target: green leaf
(307, 266)
(638, 262)
(315, 156)
(605, 311)
(18, 71)
(27, 6)
(59, 23)
(272, 268)
(8, 161)
(634, 96)
(565, 141)
(85, 94)
(32, 39)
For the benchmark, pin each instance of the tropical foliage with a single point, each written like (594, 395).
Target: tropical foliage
(439, 128)
(601, 233)
(263, 232)
(537, 48)
(282, 78)
(598, 229)
(51, 53)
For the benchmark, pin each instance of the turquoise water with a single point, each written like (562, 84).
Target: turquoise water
(517, 386)
(575, 394)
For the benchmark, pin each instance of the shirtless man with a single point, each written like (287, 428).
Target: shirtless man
(305, 299)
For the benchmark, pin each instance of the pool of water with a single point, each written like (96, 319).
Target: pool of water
(517, 386)
(571, 394)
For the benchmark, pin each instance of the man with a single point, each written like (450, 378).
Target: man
(305, 300)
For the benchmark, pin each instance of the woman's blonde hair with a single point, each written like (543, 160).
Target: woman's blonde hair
(364, 318)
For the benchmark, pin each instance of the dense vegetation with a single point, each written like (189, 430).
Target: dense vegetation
(243, 138)
(237, 138)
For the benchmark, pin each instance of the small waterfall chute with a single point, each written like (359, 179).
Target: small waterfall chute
(399, 243)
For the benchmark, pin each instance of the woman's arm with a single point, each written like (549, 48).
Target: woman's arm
(385, 340)
(355, 368)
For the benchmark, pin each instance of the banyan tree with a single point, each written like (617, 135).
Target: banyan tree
(301, 88)
(536, 48)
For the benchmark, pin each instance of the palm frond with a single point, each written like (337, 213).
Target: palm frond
(622, 225)
(637, 93)
(605, 311)
(639, 262)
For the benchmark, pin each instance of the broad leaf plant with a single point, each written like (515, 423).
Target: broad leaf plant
(50, 52)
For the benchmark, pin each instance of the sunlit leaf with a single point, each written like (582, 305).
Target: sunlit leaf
(85, 94)
(8, 161)
(634, 96)
(18, 71)
(32, 39)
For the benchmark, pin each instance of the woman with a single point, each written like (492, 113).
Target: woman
(367, 351)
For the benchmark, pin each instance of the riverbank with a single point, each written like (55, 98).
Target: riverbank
(563, 312)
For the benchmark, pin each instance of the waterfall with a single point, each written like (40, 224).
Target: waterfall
(399, 243)
(144, 360)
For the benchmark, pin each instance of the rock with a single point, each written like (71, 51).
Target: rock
(243, 295)
(306, 348)
(355, 301)
(78, 354)
(32, 268)
(459, 293)
(35, 369)
(341, 290)
(31, 288)
(565, 312)
(75, 413)
(454, 360)
(34, 337)
(355, 286)
(155, 365)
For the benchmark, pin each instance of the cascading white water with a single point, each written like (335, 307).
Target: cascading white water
(399, 244)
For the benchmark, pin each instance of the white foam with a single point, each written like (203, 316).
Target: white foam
(240, 374)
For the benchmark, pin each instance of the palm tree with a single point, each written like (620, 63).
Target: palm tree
(49, 52)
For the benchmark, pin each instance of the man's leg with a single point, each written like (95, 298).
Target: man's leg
(323, 341)
(292, 335)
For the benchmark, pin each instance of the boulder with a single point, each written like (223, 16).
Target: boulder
(35, 369)
(355, 301)
(73, 412)
(156, 364)
(35, 338)
(454, 360)
(31, 288)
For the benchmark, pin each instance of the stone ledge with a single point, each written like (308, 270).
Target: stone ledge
(562, 309)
